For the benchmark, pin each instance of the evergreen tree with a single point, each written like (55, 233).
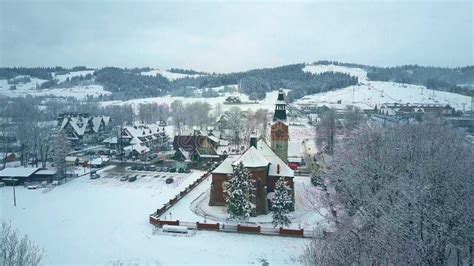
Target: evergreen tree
(282, 204)
(239, 194)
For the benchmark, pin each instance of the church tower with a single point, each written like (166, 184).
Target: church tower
(279, 129)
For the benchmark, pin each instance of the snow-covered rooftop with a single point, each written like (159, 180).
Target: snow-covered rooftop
(47, 172)
(18, 171)
(261, 156)
(275, 161)
(252, 158)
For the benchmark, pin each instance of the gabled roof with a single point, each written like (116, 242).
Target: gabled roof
(252, 158)
(261, 156)
(275, 161)
(18, 171)
(226, 166)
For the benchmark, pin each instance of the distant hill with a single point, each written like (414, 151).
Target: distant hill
(135, 83)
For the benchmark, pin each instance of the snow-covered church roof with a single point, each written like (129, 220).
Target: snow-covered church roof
(252, 158)
(260, 156)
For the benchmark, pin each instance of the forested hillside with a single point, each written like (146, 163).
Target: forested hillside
(130, 83)
(437, 78)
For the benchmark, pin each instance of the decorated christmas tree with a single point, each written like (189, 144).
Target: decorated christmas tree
(239, 194)
(282, 204)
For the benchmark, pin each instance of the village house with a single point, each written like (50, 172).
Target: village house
(266, 163)
(22, 175)
(139, 139)
(83, 128)
(196, 147)
(411, 110)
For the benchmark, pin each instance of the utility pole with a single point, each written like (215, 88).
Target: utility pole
(14, 194)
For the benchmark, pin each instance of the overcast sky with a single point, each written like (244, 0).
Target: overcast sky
(223, 37)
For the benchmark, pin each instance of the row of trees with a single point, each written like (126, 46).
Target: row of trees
(45, 73)
(331, 124)
(399, 194)
(26, 130)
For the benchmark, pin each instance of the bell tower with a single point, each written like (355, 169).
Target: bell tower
(279, 128)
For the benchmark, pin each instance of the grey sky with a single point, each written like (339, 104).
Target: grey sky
(222, 37)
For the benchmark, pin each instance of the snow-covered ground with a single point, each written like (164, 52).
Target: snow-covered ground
(367, 93)
(29, 88)
(267, 103)
(356, 72)
(305, 216)
(167, 74)
(62, 78)
(105, 220)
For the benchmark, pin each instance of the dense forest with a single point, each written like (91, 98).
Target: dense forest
(129, 83)
(437, 78)
(257, 82)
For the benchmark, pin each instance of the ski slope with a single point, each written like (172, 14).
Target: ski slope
(367, 94)
(356, 72)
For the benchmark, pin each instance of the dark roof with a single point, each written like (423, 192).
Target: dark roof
(192, 142)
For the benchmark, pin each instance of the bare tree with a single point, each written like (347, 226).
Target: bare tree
(235, 123)
(353, 117)
(61, 150)
(5, 142)
(261, 116)
(17, 250)
(402, 195)
(326, 131)
(177, 114)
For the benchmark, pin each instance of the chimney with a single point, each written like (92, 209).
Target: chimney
(253, 139)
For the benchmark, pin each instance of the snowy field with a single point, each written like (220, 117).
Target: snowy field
(62, 78)
(267, 103)
(167, 74)
(356, 72)
(105, 220)
(29, 88)
(367, 94)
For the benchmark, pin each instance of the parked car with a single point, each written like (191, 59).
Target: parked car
(140, 167)
(95, 176)
(152, 168)
(173, 170)
(124, 178)
(132, 178)
(146, 168)
(2, 184)
(32, 187)
(180, 170)
(159, 169)
(187, 170)
(165, 169)
(134, 167)
(169, 180)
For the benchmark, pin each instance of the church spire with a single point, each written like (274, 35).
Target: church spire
(280, 107)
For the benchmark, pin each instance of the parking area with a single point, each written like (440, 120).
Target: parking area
(159, 181)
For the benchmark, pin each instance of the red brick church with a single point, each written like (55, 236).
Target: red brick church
(266, 163)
